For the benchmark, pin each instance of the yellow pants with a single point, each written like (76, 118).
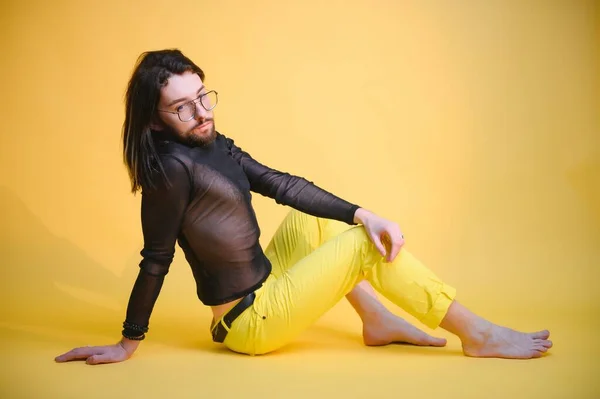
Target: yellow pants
(316, 262)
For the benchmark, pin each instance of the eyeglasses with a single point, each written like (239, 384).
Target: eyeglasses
(186, 112)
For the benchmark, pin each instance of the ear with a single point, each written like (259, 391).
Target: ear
(156, 124)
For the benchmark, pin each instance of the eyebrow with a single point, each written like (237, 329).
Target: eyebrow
(184, 98)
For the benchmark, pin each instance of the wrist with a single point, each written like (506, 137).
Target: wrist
(129, 345)
(361, 215)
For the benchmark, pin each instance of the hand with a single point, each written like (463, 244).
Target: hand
(385, 234)
(100, 354)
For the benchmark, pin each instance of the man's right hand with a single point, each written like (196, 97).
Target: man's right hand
(101, 354)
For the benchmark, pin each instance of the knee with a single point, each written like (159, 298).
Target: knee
(332, 228)
(364, 245)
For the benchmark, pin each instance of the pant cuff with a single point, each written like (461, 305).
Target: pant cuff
(440, 307)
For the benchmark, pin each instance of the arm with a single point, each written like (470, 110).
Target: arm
(162, 212)
(303, 195)
(294, 191)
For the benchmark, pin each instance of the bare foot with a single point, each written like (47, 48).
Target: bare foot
(481, 338)
(491, 340)
(389, 328)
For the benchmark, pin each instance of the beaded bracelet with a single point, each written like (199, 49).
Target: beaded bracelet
(132, 331)
(138, 338)
(134, 327)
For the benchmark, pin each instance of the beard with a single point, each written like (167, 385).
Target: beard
(201, 139)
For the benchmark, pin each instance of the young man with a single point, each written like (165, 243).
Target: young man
(196, 189)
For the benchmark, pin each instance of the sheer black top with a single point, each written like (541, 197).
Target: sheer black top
(207, 210)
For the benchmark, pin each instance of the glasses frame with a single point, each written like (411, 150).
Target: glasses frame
(193, 103)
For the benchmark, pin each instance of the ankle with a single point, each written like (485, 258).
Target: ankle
(476, 332)
(371, 318)
(466, 325)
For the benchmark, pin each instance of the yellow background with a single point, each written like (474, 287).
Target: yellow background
(474, 124)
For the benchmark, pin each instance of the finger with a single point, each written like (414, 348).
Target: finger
(391, 238)
(102, 358)
(78, 354)
(396, 246)
(378, 244)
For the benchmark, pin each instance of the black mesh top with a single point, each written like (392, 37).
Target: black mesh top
(207, 210)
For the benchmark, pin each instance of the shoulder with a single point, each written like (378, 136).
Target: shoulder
(171, 169)
(228, 144)
(176, 165)
(223, 141)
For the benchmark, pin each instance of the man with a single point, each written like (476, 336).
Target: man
(196, 186)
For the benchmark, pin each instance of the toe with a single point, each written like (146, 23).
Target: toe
(543, 342)
(544, 334)
(540, 348)
(536, 354)
(547, 343)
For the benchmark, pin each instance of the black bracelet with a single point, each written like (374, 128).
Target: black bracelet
(133, 337)
(134, 327)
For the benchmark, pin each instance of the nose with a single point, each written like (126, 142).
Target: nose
(201, 113)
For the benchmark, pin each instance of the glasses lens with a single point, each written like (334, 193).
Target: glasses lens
(209, 100)
(186, 112)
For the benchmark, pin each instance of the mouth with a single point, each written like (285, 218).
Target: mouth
(202, 126)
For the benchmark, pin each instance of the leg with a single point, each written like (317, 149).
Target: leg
(288, 304)
(299, 235)
(479, 337)
(380, 326)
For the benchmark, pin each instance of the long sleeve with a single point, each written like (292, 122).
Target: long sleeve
(162, 211)
(294, 191)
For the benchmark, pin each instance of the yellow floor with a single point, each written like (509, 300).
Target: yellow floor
(179, 361)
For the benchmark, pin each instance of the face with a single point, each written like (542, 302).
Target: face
(179, 90)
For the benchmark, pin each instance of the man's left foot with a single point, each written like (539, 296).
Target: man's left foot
(491, 340)
(389, 329)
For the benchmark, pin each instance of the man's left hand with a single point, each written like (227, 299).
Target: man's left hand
(385, 234)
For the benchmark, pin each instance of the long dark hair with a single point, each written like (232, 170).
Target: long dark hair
(151, 72)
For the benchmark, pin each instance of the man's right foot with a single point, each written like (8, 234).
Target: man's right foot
(388, 328)
(490, 340)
